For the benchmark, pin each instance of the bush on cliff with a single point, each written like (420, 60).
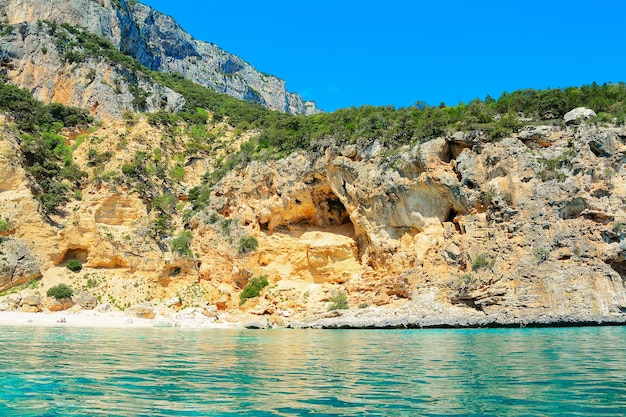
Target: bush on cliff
(338, 301)
(253, 289)
(60, 291)
(74, 265)
(247, 244)
(182, 243)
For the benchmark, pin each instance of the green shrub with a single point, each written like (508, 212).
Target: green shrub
(199, 197)
(541, 254)
(182, 243)
(482, 262)
(338, 301)
(5, 225)
(60, 291)
(463, 282)
(247, 244)
(253, 289)
(178, 173)
(74, 265)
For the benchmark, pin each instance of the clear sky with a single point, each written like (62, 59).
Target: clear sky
(344, 53)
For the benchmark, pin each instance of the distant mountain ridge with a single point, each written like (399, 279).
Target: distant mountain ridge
(152, 38)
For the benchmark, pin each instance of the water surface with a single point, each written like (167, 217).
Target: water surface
(63, 371)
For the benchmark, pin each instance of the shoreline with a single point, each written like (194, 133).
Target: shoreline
(93, 319)
(347, 319)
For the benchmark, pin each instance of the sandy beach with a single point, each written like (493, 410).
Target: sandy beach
(115, 319)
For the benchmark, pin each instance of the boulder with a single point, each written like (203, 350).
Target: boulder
(17, 264)
(453, 252)
(85, 300)
(104, 308)
(578, 113)
(31, 299)
(57, 304)
(142, 311)
(31, 308)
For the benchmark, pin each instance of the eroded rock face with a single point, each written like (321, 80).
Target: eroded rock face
(117, 210)
(529, 224)
(33, 61)
(457, 230)
(154, 39)
(17, 263)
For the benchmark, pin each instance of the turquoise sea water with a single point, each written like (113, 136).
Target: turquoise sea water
(67, 371)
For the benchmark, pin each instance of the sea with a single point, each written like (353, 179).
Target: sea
(68, 371)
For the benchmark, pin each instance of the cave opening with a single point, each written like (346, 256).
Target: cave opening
(620, 268)
(333, 212)
(451, 218)
(75, 254)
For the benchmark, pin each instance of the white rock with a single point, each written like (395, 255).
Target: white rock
(578, 113)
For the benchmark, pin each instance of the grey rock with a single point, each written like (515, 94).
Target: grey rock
(157, 42)
(578, 113)
(104, 308)
(94, 84)
(17, 264)
(86, 300)
(453, 251)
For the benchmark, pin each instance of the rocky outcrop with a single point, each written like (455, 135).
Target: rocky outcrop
(17, 263)
(34, 59)
(459, 230)
(578, 114)
(528, 227)
(152, 38)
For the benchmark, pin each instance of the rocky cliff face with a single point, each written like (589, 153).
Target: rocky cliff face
(34, 58)
(459, 230)
(530, 228)
(153, 39)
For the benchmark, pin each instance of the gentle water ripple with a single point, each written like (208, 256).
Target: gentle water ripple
(174, 372)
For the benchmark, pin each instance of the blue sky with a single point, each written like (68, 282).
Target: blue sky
(352, 53)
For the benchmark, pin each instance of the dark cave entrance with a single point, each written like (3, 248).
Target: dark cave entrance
(75, 254)
(332, 212)
(620, 268)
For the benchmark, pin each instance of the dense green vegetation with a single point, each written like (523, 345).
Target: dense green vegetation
(74, 265)
(5, 225)
(247, 244)
(47, 157)
(181, 244)
(281, 133)
(338, 301)
(60, 291)
(253, 288)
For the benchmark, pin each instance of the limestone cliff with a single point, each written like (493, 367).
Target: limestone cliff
(530, 226)
(152, 38)
(458, 230)
(448, 226)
